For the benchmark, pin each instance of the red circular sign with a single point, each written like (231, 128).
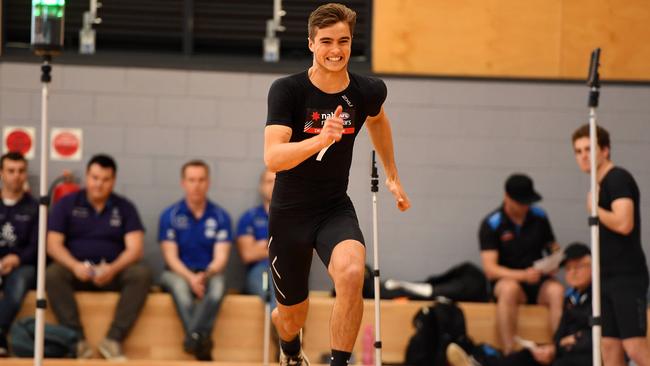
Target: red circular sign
(66, 143)
(20, 141)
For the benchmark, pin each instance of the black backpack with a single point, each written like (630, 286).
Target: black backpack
(60, 341)
(435, 327)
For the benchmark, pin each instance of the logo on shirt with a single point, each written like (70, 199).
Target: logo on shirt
(22, 218)
(116, 218)
(507, 236)
(261, 223)
(345, 97)
(210, 228)
(80, 212)
(180, 222)
(315, 120)
(8, 235)
(171, 234)
(222, 235)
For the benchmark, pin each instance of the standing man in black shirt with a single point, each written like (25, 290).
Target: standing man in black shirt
(623, 269)
(321, 110)
(18, 241)
(512, 238)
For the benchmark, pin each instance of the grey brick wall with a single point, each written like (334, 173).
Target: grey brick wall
(456, 141)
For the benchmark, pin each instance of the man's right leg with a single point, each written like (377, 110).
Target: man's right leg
(509, 295)
(181, 293)
(291, 248)
(612, 350)
(289, 320)
(60, 285)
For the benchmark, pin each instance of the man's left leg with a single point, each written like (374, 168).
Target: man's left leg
(551, 295)
(346, 268)
(133, 282)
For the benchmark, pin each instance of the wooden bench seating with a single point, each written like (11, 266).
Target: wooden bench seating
(238, 332)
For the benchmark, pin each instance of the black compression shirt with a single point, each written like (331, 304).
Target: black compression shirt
(295, 102)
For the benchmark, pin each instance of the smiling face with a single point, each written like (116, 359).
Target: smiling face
(332, 47)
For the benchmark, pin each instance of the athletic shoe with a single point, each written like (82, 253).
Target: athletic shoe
(111, 350)
(204, 348)
(456, 356)
(84, 351)
(4, 346)
(298, 360)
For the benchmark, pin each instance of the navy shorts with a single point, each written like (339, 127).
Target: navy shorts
(292, 240)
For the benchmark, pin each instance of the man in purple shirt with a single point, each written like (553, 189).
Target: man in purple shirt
(18, 241)
(95, 238)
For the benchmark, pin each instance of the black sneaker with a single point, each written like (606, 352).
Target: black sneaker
(4, 346)
(199, 345)
(298, 360)
(204, 348)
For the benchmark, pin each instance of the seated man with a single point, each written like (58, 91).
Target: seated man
(195, 238)
(18, 241)
(512, 238)
(572, 343)
(95, 238)
(253, 240)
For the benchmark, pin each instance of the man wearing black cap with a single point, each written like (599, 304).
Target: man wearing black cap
(623, 268)
(571, 342)
(512, 238)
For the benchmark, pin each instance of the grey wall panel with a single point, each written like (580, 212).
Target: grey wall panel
(455, 143)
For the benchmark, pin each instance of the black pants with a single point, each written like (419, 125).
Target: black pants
(133, 284)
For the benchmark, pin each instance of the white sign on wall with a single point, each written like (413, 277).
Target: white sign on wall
(66, 144)
(20, 139)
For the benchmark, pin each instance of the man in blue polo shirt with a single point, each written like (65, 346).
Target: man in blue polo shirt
(253, 239)
(195, 237)
(18, 241)
(512, 238)
(96, 240)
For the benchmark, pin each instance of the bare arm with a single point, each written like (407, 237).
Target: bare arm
(382, 138)
(170, 253)
(57, 250)
(493, 271)
(251, 250)
(220, 258)
(280, 154)
(621, 218)
(133, 251)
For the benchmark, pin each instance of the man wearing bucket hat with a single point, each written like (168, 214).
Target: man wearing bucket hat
(512, 238)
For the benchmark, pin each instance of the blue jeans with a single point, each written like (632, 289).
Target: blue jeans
(14, 287)
(254, 285)
(196, 315)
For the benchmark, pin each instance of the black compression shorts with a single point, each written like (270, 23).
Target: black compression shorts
(624, 306)
(292, 240)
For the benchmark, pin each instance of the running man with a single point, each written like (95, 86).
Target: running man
(313, 119)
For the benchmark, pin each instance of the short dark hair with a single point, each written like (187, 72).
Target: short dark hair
(602, 136)
(103, 160)
(328, 15)
(195, 162)
(14, 156)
